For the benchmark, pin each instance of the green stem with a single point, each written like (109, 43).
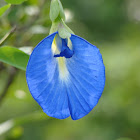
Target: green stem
(7, 36)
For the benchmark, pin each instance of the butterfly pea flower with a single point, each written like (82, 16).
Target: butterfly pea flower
(66, 75)
(66, 80)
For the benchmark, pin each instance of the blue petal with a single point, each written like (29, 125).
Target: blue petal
(43, 81)
(87, 77)
(66, 86)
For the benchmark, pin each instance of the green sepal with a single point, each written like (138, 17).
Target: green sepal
(62, 14)
(54, 27)
(54, 10)
(57, 16)
(68, 29)
(63, 32)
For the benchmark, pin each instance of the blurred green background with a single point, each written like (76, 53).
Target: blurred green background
(114, 27)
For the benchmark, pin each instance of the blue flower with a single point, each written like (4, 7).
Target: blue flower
(66, 76)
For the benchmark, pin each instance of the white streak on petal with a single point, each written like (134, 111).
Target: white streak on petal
(63, 71)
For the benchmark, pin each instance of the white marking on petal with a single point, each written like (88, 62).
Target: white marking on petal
(63, 71)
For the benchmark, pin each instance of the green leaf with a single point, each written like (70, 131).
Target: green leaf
(14, 57)
(4, 8)
(15, 1)
(54, 10)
